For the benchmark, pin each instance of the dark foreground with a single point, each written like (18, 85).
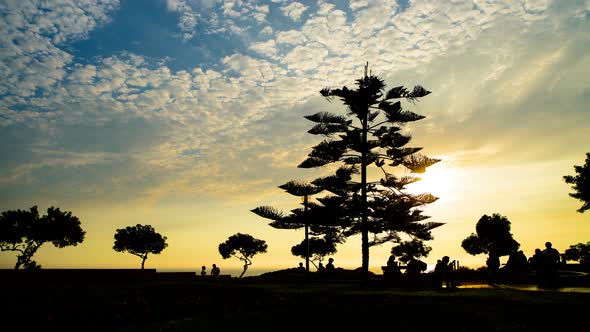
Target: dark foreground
(184, 302)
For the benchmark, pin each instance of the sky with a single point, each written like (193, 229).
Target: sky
(187, 114)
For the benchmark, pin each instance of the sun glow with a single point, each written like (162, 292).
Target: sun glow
(439, 180)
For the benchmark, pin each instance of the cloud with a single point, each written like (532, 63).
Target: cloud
(201, 130)
(188, 19)
(266, 31)
(31, 36)
(294, 10)
(267, 48)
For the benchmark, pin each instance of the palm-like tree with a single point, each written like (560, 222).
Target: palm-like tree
(371, 134)
(307, 216)
(581, 184)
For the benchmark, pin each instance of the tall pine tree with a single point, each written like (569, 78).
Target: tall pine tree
(371, 134)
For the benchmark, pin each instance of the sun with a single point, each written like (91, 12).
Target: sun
(439, 180)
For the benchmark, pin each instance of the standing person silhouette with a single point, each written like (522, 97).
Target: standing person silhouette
(444, 269)
(550, 259)
(215, 270)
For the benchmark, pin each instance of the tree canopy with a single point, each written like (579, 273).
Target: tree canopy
(578, 253)
(409, 250)
(371, 133)
(243, 247)
(318, 248)
(492, 237)
(581, 184)
(24, 231)
(318, 219)
(139, 240)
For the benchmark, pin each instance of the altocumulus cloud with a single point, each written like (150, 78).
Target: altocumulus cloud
(122, 125)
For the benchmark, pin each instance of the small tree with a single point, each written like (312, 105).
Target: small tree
(492, 237)
(317, 219)
(581, 184)
(139, 240)
(579, 253)
(25, 232)
(409, 250)
(318, 249)
(243, 247)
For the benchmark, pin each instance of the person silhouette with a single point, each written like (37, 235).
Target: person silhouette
(392, 270)
(443, 270)
(215, 270)
(301, 267)
(203, 271)
(550, 259)
(321, 267)
(330, 266)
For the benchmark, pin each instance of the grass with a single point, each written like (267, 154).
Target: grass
(262, 304)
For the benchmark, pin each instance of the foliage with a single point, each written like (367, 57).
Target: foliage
(25, 232)
(318, 219)
(139, 240)
(318, 248)
(492, 237)
(581, 184)
(409, 250)
(243, 247)
(371, 133)
(579, 253)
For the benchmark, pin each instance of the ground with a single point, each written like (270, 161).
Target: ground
(189, 303)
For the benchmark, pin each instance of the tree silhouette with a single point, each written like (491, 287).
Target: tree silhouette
(25, 232)
(139, 240)
(318, 248)
(409, 250)
(243, 247)
(581, 184)
(492, 237)
(371, 134)
(317, 219)
(579, 253)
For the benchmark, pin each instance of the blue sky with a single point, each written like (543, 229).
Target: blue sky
(187, 112)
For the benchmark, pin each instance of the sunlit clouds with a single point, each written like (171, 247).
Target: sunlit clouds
(197, 106)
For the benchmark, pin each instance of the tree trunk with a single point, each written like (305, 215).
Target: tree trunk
(19, 262)
(143, 261)
(243, 272)
(306, 237)
(364, 219)
(26, 254)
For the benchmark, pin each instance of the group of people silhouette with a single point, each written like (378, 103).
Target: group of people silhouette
(215, 271)
(544, 264)
(443, 271)
(321, 268)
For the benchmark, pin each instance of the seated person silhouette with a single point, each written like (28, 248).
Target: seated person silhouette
(392, 269)
(330, 266)
(300, 267)
(203, 271)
